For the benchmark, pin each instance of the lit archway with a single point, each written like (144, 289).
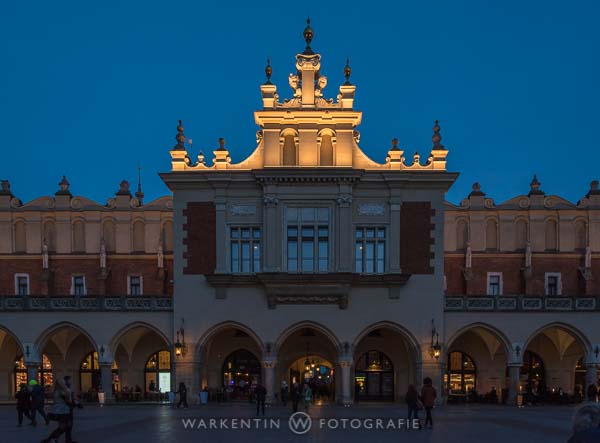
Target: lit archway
(45, 375)
(240, 370)
(461, 374)
(157, 373)
(374, 376)
(90, 378)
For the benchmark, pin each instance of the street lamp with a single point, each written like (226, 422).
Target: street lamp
(180, 347)
(435, 349)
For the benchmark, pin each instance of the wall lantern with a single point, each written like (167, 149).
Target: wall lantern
(435, 349)
(180, 347)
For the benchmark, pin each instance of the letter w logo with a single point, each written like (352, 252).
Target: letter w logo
(300, 423)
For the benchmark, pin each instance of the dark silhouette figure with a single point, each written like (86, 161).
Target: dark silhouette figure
(428, 396)
(356, 391)
(182, 391)
(23, 403)
(412, 401)
(295, 396)
(37, 402)
(592, 392)
(260, 392)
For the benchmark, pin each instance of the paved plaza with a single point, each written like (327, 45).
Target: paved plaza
(151, 423)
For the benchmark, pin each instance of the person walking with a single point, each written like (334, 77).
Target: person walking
(61, 411)
(295, 396)
(74, 403)
(413, 403)
(23, 403)
(307, 396)
(182, 391)
(260, 392)
(592, 393)
(37, 401)
(428, 396)
(284, 392)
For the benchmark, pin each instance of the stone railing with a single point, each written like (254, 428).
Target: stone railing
(87, 303)
(521, 303)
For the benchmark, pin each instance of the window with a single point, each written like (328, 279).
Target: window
(21, 284)
(245, 249)
(494, 283)
(78, 285)
(491, 234)
(521, 229)
(307, 239)
(462, 235)
(551, 236)
(370, 250)
(553, 284)
(139, 236)
(20, 237)
(78, 236)
(134, 285)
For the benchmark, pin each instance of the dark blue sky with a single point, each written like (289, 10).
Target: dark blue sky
(89, 89)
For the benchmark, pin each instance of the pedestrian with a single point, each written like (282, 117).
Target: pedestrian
(586, 424)
(37, 401)
(61, 411)
(307, 396)
(295, 396)
(414, 404)
(74, 403)
(592, 393)
(356, 391)
(260, 392)
(182, 391)
(284, 392)
(428, 396)
(23, 403)
(152, 386)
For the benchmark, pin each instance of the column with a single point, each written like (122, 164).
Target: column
(346, 397)
(434, 370)
(270, 237)
(188, 372)
(32, 370)
(344, 231)
(220, 224)
(394, 235)
(106, 381)
(514, 372)
(591, 376)
(269, 379)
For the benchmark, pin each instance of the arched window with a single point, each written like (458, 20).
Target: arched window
(462, 373)
(374, 375)
(45, 376)
(20, 237)
(551, 235)
(462, 235)
(240, 369)
(533, 374)
(289, 150)
(157, 374)
(50, 236)
(139, 236)
(491, 234)
(109, 235)
(78, 236)
(167, 236)
(326, 150)
(89, 376)
(520, 235)
(580, 234)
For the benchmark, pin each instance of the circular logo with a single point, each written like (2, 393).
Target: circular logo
(300, 423)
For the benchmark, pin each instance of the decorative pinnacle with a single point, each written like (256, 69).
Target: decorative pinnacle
(139, 194)
(180, 137)
(395, 144)
(221, 144)
(268, 71)
(436, 138)
(63, 186)
(308, 36)
(347, 70)
(535, 186)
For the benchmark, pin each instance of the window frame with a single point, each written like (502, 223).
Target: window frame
(547, 277)
(129, 276)
(252, 241)
(73, 277)
(376, 241)
(500, 283)
(26, 276)
(316, 224)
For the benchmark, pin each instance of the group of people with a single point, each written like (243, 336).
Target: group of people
(30, 401)
(424, 400)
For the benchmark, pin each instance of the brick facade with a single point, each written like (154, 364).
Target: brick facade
(200, 238)
(416, 237)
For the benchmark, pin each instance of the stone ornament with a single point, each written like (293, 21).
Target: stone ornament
(371, 209)
(241, 210)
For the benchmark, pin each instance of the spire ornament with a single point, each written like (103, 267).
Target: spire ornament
(308, 36)
(436, 138)
(347, 71)
(180, 137)
(63, 186)
(268, 72)
(394, 145)
(139, 194)
(535, 186)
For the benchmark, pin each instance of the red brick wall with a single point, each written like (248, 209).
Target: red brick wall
(201, 253)
(416, 237)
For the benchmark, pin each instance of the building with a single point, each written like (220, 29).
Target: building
(305, 261)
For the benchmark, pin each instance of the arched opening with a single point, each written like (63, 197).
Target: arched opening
(580, 234)
(109, 235)
(385, 363)
(462, 235)
(20, 237)
(374, 376)
(10, 350)
(476, 366)
(157, 374)
(551, 236)
(241, 369)
(318, 373)
(45, 376)
(167, 236)
(533, 376)
(289, 150)
(326, 150)
(521, 235)
(139, 236)
(491, 235)
(90, 379)
(78, 236)
(50, 235)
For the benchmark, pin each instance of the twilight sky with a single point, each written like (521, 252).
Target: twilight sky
(91, 89)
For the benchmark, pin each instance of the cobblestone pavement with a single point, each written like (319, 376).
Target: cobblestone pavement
(152, 423)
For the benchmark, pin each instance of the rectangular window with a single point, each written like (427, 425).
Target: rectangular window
(135, 285)
(245, 249)
(369, 250)
(21, 284)
(553, 284)
(78, 285)
(494, 283)
(307, 239)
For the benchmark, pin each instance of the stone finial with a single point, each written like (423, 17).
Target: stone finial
(394, 144)
(201, 157)
(124, 188)
(308, 36)
(476, 190)
(5, 187)
(436, 138)
(347, 71)
(139, 194)
(594, 188)
(221, 144)
(180, 137)
(535, 186)
(268, 72)
(63, 187)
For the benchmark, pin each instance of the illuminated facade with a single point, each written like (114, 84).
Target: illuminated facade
(307, 261)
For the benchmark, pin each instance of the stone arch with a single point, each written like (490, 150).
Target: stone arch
(326, 141)
(46, 334)
(20, 235)
(167, 235)
(576, 333)
(551, 234)
(407, 335)
(491, 329)
(462, 234)
(521, 233)
(138, 231)
(220, 327)
(78, 234)
(289, 147)
(114, 341)
(580, 233)
(49, 234)
(491, 233)
(109, 234)
(307, 324)
(11, 348)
